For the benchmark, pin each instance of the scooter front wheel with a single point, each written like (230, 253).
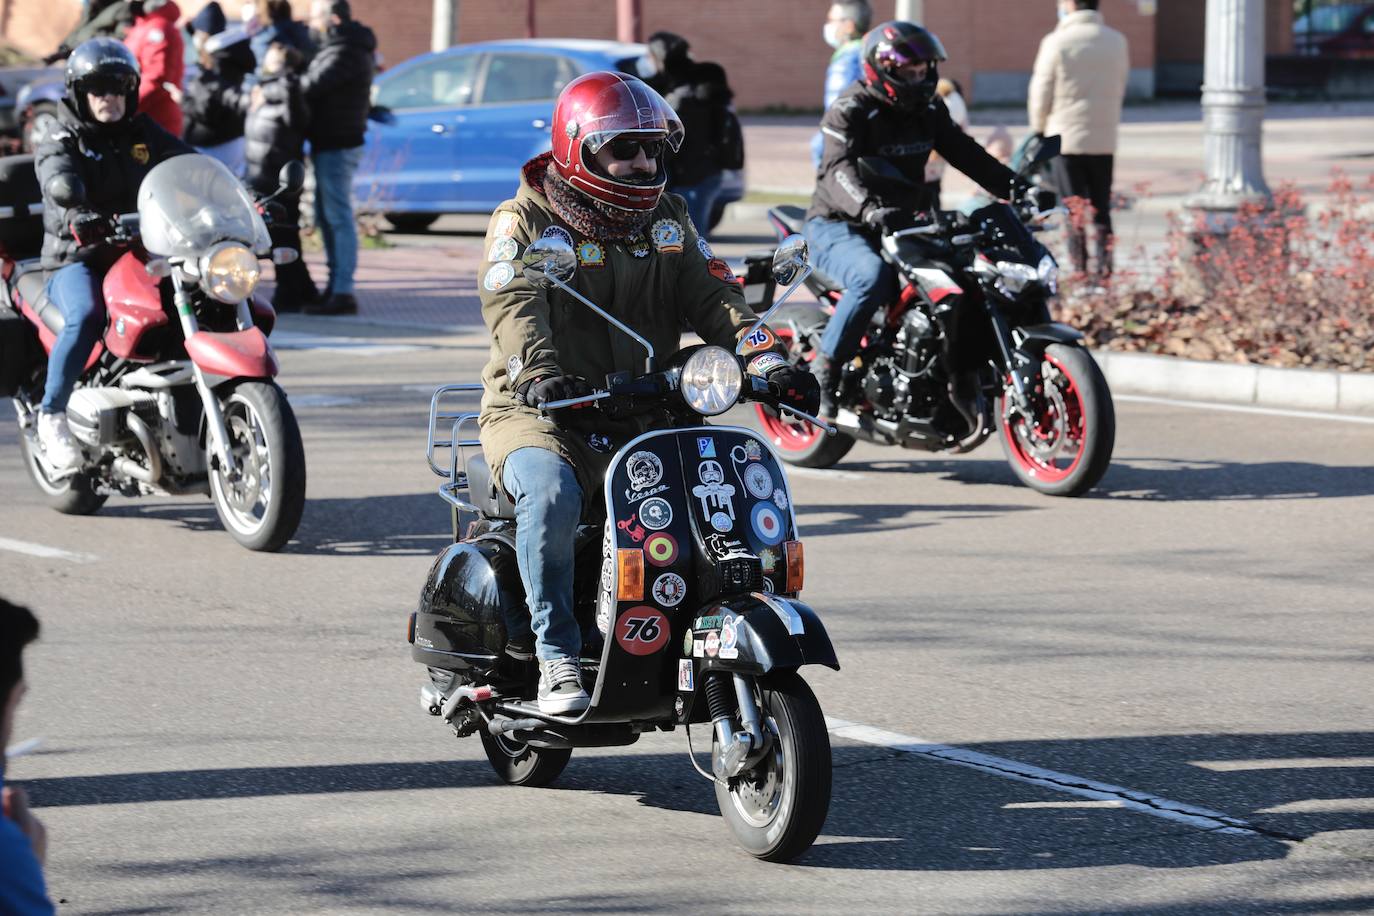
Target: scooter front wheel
(776, 808)
(521, 764)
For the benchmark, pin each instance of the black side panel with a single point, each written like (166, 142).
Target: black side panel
(20, 351)
(471, 599)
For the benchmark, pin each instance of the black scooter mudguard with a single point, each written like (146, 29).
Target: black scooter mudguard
(759, 633)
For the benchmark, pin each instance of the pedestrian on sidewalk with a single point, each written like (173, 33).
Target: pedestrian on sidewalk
(338, 89)
(278, 25)
(700, 95)
(274, 128)
(844, 30)
(211, 109)
(1076, 91)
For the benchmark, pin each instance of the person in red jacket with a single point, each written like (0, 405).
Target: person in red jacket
(157, 43)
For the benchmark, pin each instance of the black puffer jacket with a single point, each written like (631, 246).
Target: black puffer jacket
(275, 130)
(111, 161)
(210, 106)
(338, 87)
(860, 124)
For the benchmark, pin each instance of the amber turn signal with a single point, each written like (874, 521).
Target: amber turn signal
(410, 629)
(796, 566)
(630, 566)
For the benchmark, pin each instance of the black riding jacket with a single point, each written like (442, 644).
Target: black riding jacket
(111, 162)
(861, 124)
(338, 87)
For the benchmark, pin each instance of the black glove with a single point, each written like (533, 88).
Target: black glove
(89, 227)
(886, 219)
(792, 385)
(538, 392)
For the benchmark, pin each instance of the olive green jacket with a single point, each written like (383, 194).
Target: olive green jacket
(656, 285)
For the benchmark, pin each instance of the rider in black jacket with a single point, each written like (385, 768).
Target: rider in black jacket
(892, 113)
(106, 145)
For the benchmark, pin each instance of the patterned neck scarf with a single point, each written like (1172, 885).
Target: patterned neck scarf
(593, 219)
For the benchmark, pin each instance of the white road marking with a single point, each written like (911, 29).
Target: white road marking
(1283, 763)
(823, 473)
(1131, 799)
(45, 552)
(22, 748)
(354, 346)
(322, 400)
(1242, 408)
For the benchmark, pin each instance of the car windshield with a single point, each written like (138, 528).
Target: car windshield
(1328, 19)
(188, 203)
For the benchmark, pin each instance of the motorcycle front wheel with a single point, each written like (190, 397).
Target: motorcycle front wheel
(1066, 446)
(521, 764)
(260, 504)
(776, 808)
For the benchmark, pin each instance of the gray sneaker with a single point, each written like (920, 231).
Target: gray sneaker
(560, 687)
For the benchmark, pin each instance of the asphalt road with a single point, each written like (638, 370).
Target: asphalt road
(232, 732)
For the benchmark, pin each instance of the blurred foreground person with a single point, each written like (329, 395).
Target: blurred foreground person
(23, 838)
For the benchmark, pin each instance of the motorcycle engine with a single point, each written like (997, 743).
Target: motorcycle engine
(880, 387)
(97, 415)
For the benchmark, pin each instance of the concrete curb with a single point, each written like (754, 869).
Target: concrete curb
(1256, 386)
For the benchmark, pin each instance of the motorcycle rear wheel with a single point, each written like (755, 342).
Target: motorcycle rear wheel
(1067, 449)
(777, 808)
(74, 495)
(796, 441)
(521, 764)
(262, 507)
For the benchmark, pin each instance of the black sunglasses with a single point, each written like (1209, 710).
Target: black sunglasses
(626, 148)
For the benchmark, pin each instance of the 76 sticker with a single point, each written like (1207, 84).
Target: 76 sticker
(642, 630)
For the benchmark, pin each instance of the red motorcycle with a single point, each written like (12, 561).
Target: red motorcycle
(178, 396)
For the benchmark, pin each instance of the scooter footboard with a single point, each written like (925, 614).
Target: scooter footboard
(758, 633)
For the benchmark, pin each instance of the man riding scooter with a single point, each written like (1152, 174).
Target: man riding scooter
(892, 113)
(107, 147)
(600, 190)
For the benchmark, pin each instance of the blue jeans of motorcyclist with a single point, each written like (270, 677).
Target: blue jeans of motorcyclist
(701, 199)
(548, 507)
(75, 290)
(334, 170)
(851, 259)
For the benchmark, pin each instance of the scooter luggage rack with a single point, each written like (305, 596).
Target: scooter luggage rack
(453, 492)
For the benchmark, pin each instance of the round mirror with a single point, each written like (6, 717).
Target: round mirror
(549, 259)
(291, 178)
(789, 260)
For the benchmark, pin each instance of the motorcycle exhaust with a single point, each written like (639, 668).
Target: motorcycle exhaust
(128, 467)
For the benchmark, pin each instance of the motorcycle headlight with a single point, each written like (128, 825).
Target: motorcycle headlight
(1016, 276)
(1048, 272)
(711, 381)
(230, 272)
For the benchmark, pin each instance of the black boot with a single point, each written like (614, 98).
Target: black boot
(829, 373)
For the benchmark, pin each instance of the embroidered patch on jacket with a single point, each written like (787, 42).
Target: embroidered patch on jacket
(705, 249)
(589, 254)
(558, 232)
(513, 367)
(504, 223)
(139, 153)
(720, 270)
(667, 235)
(503, 249)
(498, 276)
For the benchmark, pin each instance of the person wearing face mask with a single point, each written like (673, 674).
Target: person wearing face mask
(895, 114)
(1076, 91)
(107, 145)
(844, 30)
(599, 190)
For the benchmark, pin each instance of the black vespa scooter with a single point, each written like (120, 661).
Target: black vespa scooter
(687, 595)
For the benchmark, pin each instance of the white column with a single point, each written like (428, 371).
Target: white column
(1233, 106)
(444, 24)
(911, 11)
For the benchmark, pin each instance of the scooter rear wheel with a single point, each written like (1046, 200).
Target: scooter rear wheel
(521, 764)
(776, 809)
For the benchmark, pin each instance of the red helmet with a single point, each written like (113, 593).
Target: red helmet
(593, 110)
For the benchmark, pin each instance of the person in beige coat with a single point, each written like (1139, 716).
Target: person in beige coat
(1076, 91)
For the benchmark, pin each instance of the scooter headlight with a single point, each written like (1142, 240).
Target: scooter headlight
(711, 381)
(230, 272)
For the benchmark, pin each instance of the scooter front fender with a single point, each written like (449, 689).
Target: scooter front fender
(234, 354)
(770, 632)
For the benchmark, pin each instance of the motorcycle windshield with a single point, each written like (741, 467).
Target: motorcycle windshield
(188, 203)
(1008, 237)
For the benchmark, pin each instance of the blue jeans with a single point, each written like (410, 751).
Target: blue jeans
(850, 258)
(701, 198)
(75, 290)
(334, 170)
(548, 506)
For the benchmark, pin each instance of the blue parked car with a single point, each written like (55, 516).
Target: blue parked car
(458, 124)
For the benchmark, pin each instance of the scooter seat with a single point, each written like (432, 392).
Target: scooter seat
(793, 218)
(489, 498)
(33, 285)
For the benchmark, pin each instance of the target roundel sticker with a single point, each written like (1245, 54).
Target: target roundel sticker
(661, 548)
(642, 630)
(767, 522)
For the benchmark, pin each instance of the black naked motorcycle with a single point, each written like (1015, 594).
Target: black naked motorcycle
(686, 593)
(984, 280)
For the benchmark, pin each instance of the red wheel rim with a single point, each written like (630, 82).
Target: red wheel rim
(788, 435)
(1050, 449)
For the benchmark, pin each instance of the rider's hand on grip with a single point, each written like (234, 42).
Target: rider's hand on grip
(791, 385)
(89, 227)
(886, 219)
(538, 392)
